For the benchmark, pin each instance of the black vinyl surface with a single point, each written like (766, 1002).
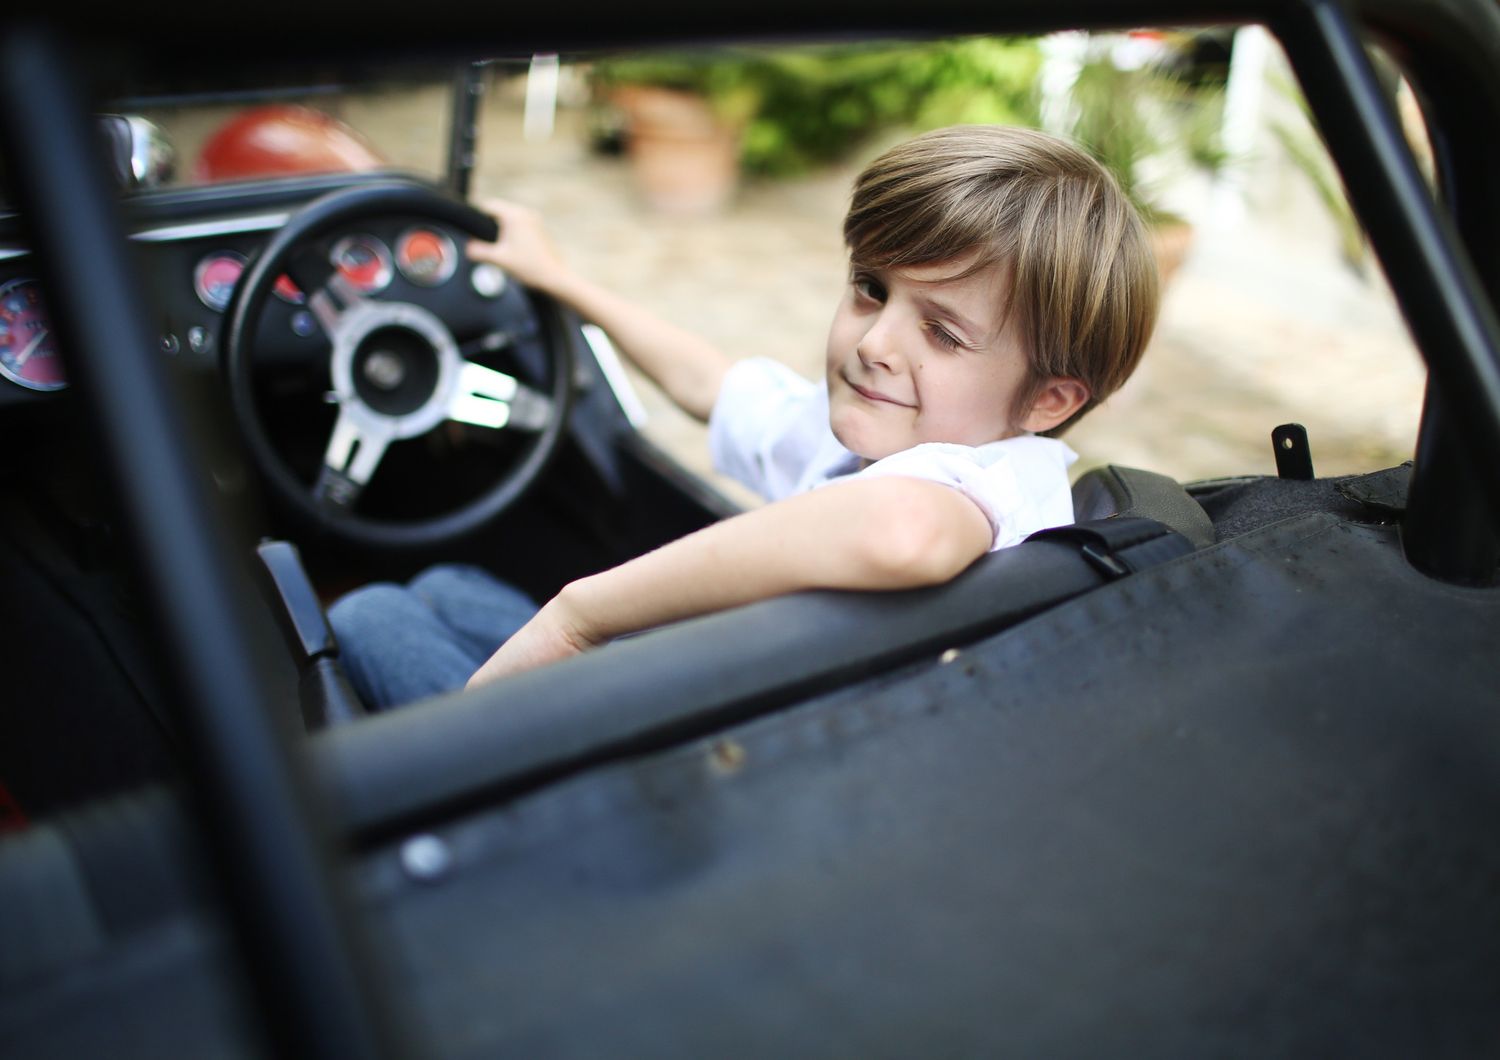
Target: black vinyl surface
(1241, 804)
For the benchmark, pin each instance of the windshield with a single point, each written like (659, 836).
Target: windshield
(305, 130)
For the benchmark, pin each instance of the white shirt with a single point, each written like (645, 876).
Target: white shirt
(769, 430)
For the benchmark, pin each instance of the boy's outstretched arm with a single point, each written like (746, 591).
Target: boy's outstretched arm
(684, 365)
(878, 533)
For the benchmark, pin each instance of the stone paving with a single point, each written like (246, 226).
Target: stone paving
(1262, 325)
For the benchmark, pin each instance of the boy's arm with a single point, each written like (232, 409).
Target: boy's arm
(684, 365)
(879, 533)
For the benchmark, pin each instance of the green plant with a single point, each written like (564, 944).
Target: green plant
(1131, 117)
(818, 104)
(802, 107)
(1307, 155)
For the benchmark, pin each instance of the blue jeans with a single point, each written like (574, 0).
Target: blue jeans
(400, 643)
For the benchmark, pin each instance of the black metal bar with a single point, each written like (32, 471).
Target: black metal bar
(1445, 532)
(1293, 451)
(1446, 51)
(1430, 273)
(269, 845)
(463, 137)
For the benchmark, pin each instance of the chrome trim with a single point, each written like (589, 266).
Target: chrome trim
(262, 222)
(152, 160)
(614, 374)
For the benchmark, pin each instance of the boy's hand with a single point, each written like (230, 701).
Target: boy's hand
(553, 634)
(687, 367)
(523, 248)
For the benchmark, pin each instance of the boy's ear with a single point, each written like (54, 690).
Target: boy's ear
(1059, 398)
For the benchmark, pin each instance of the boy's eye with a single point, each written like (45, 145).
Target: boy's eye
(943, 337)
(868, 287)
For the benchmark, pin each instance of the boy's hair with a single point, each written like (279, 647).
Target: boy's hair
(1084, 285)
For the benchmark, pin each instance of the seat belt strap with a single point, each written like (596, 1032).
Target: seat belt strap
(1121, 545)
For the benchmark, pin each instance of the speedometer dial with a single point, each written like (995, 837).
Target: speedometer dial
(364, 261)
(426, 257)
(27, 354)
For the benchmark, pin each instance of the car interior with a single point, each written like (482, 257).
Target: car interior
(1210, 771)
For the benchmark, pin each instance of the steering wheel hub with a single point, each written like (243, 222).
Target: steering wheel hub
(394, 362)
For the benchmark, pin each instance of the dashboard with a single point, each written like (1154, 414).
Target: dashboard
(193, 244)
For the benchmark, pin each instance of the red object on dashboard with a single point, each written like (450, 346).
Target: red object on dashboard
(282, 140)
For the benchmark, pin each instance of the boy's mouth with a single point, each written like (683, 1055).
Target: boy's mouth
(875, 395)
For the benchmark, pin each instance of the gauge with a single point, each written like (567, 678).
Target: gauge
(363, 261)
(426, 257)
(215, 277)
(288, 291)
(27, 353)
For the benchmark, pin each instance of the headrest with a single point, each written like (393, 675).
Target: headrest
(1129, 491)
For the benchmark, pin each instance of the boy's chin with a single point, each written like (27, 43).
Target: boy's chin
(860, 438)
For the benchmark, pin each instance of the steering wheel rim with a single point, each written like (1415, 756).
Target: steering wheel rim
(322, 217)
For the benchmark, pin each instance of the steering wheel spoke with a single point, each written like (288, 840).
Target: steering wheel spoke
(354, 452)
(333, 301)
(487, 398)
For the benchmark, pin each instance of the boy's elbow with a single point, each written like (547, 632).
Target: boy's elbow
(927, 543)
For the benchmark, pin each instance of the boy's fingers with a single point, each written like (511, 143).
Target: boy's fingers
(478, 250)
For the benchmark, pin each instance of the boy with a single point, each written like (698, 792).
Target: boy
(1000, 286)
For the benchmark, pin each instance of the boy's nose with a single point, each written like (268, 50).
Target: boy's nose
(878, 348)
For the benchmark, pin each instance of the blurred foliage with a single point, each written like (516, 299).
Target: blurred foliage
(1129, 117)
(800, 107)
(1306, 153)
(817, 106)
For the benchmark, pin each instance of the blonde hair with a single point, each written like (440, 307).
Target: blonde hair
(1083, 279)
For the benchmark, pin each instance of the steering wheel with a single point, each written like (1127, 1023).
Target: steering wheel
(397, 372)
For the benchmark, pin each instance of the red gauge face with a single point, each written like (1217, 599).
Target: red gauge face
(288, 291)
(27, 354)
(426, 257)
(363, 261)
(215, 277)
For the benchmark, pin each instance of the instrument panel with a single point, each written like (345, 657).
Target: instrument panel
(191, 272)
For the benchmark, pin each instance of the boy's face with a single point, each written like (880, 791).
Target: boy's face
(917, 356)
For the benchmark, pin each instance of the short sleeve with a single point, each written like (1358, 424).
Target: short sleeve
(1020, 484)
(765, 425)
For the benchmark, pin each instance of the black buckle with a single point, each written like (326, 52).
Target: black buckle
(1121, 544)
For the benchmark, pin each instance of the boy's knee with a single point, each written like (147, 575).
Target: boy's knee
(442, 578)
(356, 614)
(462, 593)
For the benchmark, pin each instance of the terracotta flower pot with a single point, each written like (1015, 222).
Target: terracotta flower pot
(1170, 243)
(686, 161)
